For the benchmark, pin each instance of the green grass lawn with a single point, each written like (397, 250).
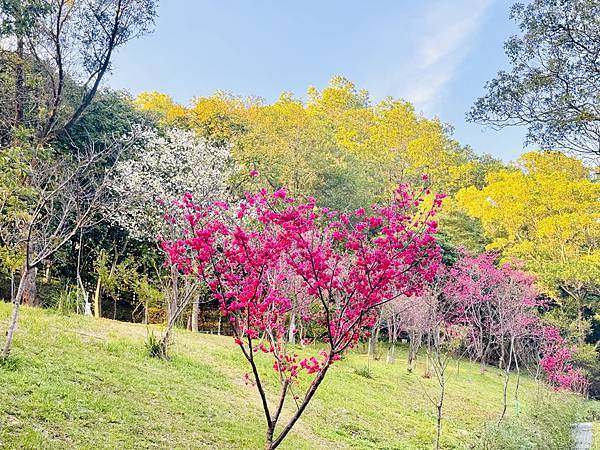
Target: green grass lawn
(76, 382)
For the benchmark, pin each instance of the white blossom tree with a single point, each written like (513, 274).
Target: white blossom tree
(163, 167)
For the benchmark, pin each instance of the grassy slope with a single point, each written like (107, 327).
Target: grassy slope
(82, 383)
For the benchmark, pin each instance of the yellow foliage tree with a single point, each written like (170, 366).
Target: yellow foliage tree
(545, 210)
(336, 145)
(167, 111)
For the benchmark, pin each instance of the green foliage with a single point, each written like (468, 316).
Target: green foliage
(548, 427)
(552, 85)
(10, 363)
(20, 16)
(148, 293)
(459, 229)
(116, 276)
(588, 358)
(364, 372)
(336, 146)
(111, 115)
(67, 301)
(153, 345)
(544, 210)
(15, 199)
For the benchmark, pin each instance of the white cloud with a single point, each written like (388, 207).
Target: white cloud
(448, 28)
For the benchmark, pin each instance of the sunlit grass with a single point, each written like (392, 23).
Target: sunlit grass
(76, 382)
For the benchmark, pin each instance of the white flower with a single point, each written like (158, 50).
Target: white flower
(163, 168)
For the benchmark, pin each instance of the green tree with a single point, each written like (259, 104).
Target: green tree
(553, 85)
(14, 197)
(56, 53)
(336, 145)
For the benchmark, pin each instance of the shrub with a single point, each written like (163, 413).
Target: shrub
(547, 427)
(66, 301)
(153, 345)
(587, 358)
(364, 372)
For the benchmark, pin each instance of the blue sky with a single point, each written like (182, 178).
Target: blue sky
(435, 53)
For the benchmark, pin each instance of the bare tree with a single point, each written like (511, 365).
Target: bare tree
(68, 192)
(444, 338)
(180, 291)
(402, 316)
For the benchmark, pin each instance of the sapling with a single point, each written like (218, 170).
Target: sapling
(348, 265)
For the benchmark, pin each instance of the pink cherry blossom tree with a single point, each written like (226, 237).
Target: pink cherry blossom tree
(393, 315)
(556, 362)
(471, 288)
(500, 308)
(347, 264)
(515, 322)
(406, 315)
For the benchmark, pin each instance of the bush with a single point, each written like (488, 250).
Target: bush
(547, 427)
(588, 358)
(153, 345)
(364, 372)
(67, 301)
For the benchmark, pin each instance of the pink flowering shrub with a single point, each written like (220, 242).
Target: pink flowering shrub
(556, 362)
(274, 248)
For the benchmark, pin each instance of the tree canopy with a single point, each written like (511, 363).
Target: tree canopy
(553, 85)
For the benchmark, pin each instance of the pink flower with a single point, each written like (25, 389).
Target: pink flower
(280, 193)
(274, 251)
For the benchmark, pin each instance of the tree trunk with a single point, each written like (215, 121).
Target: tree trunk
(427, 373)
(12, 285)
(195, 314)
(98, 299)
(373, 341)
(165, 341)
(506, 380)
(19, 83)
(29, 294)
(146, 313)
(174, 297)
(502, 353)
(415, 337)
(580, 337)
(15, 316)
(440, 362)
(483, 362)
(273, 444)
(376, 356)
(292, 329)
(391, 356)
(439, 406)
